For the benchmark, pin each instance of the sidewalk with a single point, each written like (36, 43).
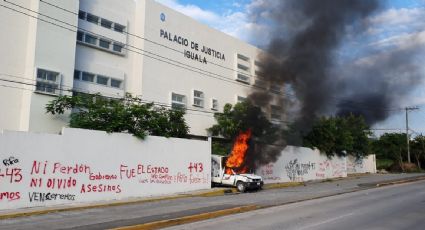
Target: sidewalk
(323, 188)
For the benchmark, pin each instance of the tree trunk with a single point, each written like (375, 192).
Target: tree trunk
(418, 159)
(401, 162)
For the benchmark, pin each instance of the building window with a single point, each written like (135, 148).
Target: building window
(243, 57)
(178, 101)
(242, 78)
(90, 39)
(117, 47)
(102, 80)
(260, 83)
(240, 99)
(214, 104)
(243, 67)
(82, 15)
(80, 36)
(104, 43)
(77, 75)
(275, 112)
(198, 98)
(47, 81)
(116, 83)
(119, 28)
(87, 77)
(92, 18)
(97, 79)
(101, 21)
(106, 23)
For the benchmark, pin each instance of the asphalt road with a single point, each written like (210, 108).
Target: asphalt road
(393, 207)
(125, 215)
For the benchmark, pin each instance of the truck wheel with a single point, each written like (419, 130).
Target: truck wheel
(241, 186)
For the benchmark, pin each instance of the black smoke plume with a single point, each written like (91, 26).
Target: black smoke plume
(302, 57)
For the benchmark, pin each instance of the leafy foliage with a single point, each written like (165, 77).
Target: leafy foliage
(391, 146)
(418, 149)
(339, 136)
(241, 117)
(127, 114)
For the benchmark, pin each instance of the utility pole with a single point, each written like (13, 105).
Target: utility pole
(407, 131)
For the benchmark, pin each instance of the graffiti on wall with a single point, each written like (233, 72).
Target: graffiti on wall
(79, 166)
(10, 173)
(324, 166)
(268, 173)
(56, 181)
(296, 170)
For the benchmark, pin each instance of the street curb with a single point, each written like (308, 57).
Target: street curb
(392, 182)
(189, 219)
(400, 181)
(283, 185)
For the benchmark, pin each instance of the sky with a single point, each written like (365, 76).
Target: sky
(400, 23)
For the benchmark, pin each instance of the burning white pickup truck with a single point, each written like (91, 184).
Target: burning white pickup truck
(222, 175)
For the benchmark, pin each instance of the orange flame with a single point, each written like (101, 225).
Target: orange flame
(235, 162)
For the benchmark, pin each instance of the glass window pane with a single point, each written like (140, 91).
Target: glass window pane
(81, 15)
(77, 75)
(87, 77)
(241, 99)
(104, 43)
(41, 74)
(90, 39)
(243, 78)
(51, 76)
(243, 57)
(117, 47)
(92, 18)
(214, 104)
(39, 87)
(50, 88)
(106, 23)
(119, 28)
(116, 83)
(45, 87)
(177, 97)
(198, 94)
(80, 36)
(177, 106)
(102, 80)
(243, 67)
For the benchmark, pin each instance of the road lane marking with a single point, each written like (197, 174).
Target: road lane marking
(326, 221)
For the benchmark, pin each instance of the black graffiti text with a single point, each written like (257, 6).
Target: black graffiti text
(43, 197)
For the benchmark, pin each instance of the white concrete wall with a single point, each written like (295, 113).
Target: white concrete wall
(54, 51)
(15, 41)
(83, 166)
(361, 165)
(297, 164)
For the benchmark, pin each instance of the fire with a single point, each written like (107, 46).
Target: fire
(237, 157)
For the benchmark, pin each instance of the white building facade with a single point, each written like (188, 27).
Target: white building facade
(113, 47)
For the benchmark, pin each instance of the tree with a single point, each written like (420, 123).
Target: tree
(339, 136)
(128, 114)
(418, 149)
(241, 117)
(391, 146)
